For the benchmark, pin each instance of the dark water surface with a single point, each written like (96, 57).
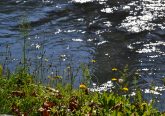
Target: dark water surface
(114, 33)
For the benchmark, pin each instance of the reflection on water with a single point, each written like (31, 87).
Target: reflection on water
(113, 32)
(145, 16)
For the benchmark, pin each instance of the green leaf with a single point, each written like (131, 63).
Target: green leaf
(1, 70)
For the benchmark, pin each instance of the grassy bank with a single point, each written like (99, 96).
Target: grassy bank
(19, 95)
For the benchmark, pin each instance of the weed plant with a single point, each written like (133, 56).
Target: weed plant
(21, 95)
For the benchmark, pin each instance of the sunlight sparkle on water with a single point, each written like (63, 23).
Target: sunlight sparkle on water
(150, 11)
(102, 42)
(78, 40)
(82, 1)
(107, 10)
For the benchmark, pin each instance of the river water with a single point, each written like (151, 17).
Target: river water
(115, 33)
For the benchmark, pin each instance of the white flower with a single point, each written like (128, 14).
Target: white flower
(120, 80)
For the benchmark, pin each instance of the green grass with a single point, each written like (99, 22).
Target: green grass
(19, 95)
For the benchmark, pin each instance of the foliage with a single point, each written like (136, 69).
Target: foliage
(20, 96)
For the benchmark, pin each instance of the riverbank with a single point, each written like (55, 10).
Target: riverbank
(20, 95)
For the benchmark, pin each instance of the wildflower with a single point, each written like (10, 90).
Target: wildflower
(114, 69)
(82, 86)
(125, 89)
(133, 94)
(114, 79)
(93, 61)
(120, 81)
(109, 84)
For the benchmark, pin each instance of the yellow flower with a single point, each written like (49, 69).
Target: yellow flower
(114, 69)
(93, 61)
(125, 89)
(82, 86)
(114, 79)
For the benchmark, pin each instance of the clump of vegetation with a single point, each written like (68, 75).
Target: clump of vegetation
(19, 95)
